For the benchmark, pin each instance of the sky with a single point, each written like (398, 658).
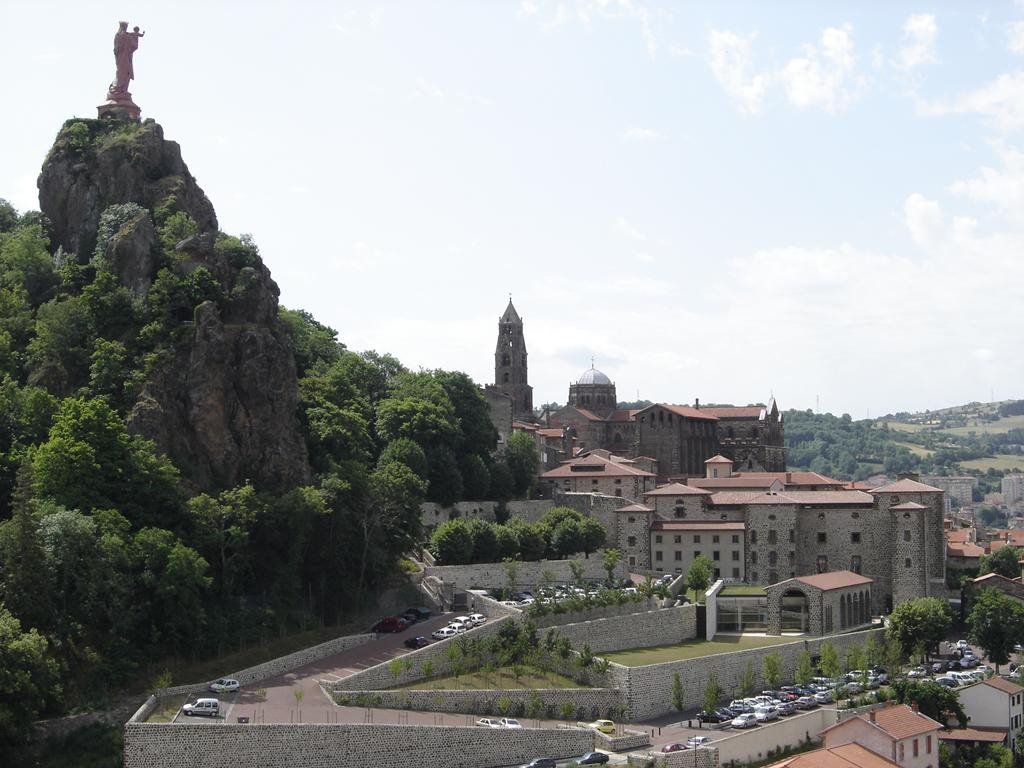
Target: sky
(820, 201)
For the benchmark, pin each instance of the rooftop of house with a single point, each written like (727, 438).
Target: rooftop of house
(826, 582)
(963, 549)
(906, 486)
(595, 466)
(845, 756)
(734, 412)
(677, 489)
(984, 735)
(898, 721)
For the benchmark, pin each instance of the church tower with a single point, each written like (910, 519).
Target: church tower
(510, 364)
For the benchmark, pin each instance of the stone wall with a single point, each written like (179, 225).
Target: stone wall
(648, 689)
(530, 574)
(588, 703)
(753, 745)
(635, 630)
(622, 740)
(705, 757)
(329, 746)
(597, 612)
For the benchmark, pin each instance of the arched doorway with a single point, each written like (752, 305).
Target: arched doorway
(795, 613)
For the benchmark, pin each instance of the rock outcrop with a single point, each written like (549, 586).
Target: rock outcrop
(221, 401)
(97, 163)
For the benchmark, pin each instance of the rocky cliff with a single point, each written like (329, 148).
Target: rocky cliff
(221, 399)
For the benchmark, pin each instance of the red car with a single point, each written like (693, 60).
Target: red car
(677, 747)
(391, 624)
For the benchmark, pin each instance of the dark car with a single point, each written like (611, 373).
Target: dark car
(938, 666)
(416, 642)
(676, 747)
(391, 624)
(412, 615)
(714, 717)
(541, 762)
(593, 758)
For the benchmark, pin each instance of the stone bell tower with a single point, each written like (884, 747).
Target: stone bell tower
(510, 364)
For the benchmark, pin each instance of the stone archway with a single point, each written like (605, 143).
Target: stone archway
(794, 611)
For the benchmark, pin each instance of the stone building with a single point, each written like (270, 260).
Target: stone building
(607, 474)
(1012, 487)
(897, 732)
(752, 436)
(592, 412)
(510, 364)
(893, 534)
(681, 438)
(820, 604)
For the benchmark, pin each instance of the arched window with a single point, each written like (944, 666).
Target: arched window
(504, 359)
(504, 378)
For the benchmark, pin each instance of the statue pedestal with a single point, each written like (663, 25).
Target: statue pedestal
(119, 109)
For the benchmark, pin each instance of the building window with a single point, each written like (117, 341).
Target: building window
(679, 555)
(772, 558)
(902, 755)
(855, 537)
(753, 537)
(753, 558)
(657, 556)
(822, 537)
(714, 539)
(631, 519)
(822, 564)
(906, 563)
(828, 618)
(906, 535)
(753, 575)
(915, 747)
(696, 538)
(771, 536)
(677, 539)
(618, 481)
(718, 574)
(735, 556)
(928, 744)
(631, 541)
(696, 554)
(735, 573)
(657, 539)
(735, 538)
(792, 536)
(632, 560)
(679, 512)
(855, 563)
(715, 555)
(618, 492)
(791, 557)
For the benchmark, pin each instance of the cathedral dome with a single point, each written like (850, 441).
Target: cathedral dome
(593, 376)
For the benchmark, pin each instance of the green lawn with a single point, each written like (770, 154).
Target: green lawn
(693, 649)
(502, 678)
(741, 590)
(900, 426)
(1006, 461)
(917, 450)
(1004, 424)
(166, 709)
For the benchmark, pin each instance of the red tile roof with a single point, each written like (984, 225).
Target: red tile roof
(963, 549)
(911, 506)
(846, 756)
(986, 735)
(681, 410)
(623, 415)
(677, 489)
(826, 582)
(764, 480)
(901, 721)
(746, 412)
(718, 459)
(905, 486)
(696, 525)
(1002, 684)
(594, 466)
(635, 508)
(959, 535)
(813, 498)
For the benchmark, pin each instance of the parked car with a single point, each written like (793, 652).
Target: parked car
(739, 706)
(853, 688)
(458, 626)
(697, 741)
(488, 722)
(674, 747)
(786, 707)
(806, 702)
(954, 666)
(541, 762)
(477, 619)
(746, 720)
(949, 682)
(416, 642)
(766, 713)
(604, 726)
(510, 722)
(824, 697)
(918, 672)
(938, 667)
(416, 614)
(443, 633)
(714, 717)
(208, 707)
(224, 685)
(593, 758)
(962, 645)
(391, 624)
(1017, 647)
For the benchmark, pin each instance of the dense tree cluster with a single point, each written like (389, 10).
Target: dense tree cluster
(561, 532)
(110, 564)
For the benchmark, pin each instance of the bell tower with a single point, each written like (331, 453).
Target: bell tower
(510, 363)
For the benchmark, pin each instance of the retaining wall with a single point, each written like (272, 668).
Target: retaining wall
(656, 627)
(622, 740)
(705, 757)
(597, 612)
(753, 745)
(648, 689)
(530, 574)
(589, 703)
(149, 745)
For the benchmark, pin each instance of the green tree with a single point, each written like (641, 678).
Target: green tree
(698, 578)
(445, 480)
(920, 623)
(522, 459)
(1005, 562)
(804, 669)
(678, 701)
(773, 670)
(577, 571)
(452, 543)
(936, 701)
(405, 451)
(29, 681)
(829, 661)
(610, 559)
(748, 680)
(476, 478)
(712, 693)
(223, 526)
(996, 623)
(313, 343)
(486, 548)
(502, 485)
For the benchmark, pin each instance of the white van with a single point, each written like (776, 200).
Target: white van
(964, 678)
(208, 707)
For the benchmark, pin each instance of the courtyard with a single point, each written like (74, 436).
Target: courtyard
(693, 649)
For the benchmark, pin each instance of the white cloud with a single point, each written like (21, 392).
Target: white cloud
(644, 258)
(627, 229)
(920, 32)
(730, 56)
(1001, 100)
(1015, 37)
(639, 133)
(554, 13)
(1001, 187)
(826, 76)
(923, 218)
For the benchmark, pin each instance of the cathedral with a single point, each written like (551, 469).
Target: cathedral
(677, 438)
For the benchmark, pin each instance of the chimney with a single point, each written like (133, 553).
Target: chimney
(871, 715)
(913, 706)
(696, 403)
(789, 477)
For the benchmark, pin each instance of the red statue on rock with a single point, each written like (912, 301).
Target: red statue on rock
(119, 104)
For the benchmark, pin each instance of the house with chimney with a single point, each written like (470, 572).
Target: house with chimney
(898, 733)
